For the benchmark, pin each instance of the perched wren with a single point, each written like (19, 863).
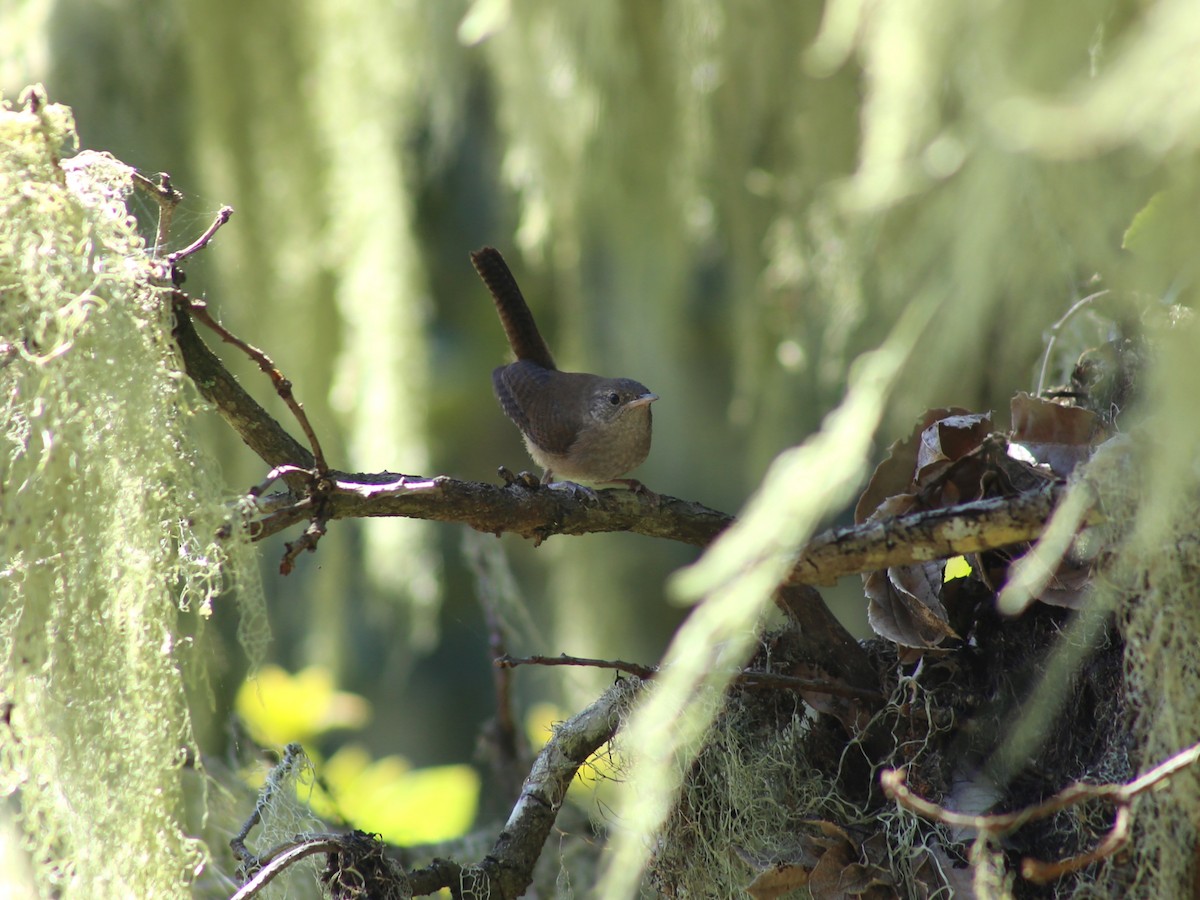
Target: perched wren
(578, 427)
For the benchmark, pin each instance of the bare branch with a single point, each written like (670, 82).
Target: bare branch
(998, 825)
(278, 860)
(293, 756)
(510, 864)
(753, 678)
(640, 671)
(167, 197)
(316, 529)
(532, 512)
(537, 513)
(261, 433)
(1116, 838)
(283, 386)
(201, 242)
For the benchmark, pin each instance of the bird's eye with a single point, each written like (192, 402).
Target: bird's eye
(614, 398)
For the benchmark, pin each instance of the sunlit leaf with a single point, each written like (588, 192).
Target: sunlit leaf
(279, 707)
(404, 805)
(956, 567)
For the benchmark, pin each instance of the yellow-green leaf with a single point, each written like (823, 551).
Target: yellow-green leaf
(956, 567)
(279, 707)
(403, 804)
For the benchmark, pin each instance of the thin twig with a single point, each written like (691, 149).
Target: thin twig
(316, 529)
(1000, 824)
(511, 662)
(287, 854)
(501, 739)
(1163, 770)
(1056, 328)
(292, 754)
(274, 475)
(1040, 872)
(268, 440)
(752, 678)
(201, 242)
(502, 682)
(283, 386)
(167, 197)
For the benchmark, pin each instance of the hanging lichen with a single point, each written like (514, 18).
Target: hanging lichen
(108, 523)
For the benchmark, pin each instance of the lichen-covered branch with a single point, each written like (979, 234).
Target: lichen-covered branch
(507, 869)
(933, 534)
(510, 864)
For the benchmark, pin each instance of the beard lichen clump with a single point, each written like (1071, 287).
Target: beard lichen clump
(108, 520)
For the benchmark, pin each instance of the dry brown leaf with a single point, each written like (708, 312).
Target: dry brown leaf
(1054, 435)
(897, 613)
(949, 439)
(777, 881)
(862, 880)
(921, 583)
(825, 882)
(781, 872)
(895, 505)
(895, 474)
(952, 457)
(905, 603)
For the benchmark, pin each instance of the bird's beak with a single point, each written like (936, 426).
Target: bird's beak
(644, 400)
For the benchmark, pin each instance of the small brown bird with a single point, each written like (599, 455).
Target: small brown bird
(576, 426)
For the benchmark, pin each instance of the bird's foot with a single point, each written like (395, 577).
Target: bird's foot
(577, 491)
(525, 479)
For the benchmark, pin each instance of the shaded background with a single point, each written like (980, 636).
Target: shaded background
(727, 202)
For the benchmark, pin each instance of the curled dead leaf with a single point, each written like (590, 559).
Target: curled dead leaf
(1053, 434)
